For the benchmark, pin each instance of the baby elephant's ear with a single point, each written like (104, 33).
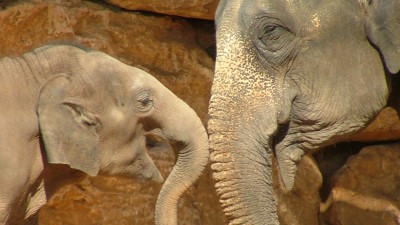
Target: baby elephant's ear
(383, 29)
(67, 128)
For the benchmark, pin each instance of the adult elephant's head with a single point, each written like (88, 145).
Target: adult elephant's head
(95, 119)
(290, 77)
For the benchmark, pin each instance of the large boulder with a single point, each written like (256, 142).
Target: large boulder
(366, 190)
(170, 48)
(385, 127)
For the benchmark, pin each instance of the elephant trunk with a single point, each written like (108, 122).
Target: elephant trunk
(241, 161)
(181, 125)
(243, 118)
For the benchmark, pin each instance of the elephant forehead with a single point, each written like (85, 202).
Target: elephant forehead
(332, 18)
(237, 68)
(99, 64)
(310, 18)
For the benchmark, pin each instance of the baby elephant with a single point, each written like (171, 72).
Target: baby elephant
(61, 105)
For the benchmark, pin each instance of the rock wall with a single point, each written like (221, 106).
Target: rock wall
(161, 37)
(202, 9)
(366, 190)
(385, 127)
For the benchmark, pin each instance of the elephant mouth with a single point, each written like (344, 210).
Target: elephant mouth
(154, 176)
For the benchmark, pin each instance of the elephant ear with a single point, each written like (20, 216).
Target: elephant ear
(383, 29)
(67, 128)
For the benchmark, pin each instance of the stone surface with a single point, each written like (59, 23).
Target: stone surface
(170, 48)
(386, 126)
(366, 190)
(202, 9)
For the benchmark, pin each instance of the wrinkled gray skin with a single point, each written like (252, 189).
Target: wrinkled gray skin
(292, 76)
(61, 105)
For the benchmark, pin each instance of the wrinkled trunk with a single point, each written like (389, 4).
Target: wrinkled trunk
(243, 119)
(181, 125)
(241, 157)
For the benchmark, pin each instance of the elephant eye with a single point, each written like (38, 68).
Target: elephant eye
(272, 32)
(274, 37)
(144, 102)
(275, 43)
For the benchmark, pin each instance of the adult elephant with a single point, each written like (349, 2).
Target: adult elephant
(61, 105)
(291, 77)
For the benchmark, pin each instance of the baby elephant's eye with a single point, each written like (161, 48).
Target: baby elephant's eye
(144, 101)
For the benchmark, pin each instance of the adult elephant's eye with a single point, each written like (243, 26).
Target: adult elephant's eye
(144, 101)
(274, 42)
(274, 37)
(272, 32)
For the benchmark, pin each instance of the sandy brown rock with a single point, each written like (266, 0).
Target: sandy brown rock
(386, 126)
(166, 47)
(202, 9)
(366, 190)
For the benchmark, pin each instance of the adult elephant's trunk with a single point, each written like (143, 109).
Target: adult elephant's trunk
(242, 171)
(243, 119)
(181, 125)
(241, 160)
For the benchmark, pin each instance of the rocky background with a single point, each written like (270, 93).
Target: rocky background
(174, 41)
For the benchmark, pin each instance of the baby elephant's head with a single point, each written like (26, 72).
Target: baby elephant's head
(95, 119)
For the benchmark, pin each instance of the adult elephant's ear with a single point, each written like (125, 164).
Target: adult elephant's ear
(67, 128)
(383, 29)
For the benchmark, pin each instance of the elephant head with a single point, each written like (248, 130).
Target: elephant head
(94, 118)
(290, 77)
